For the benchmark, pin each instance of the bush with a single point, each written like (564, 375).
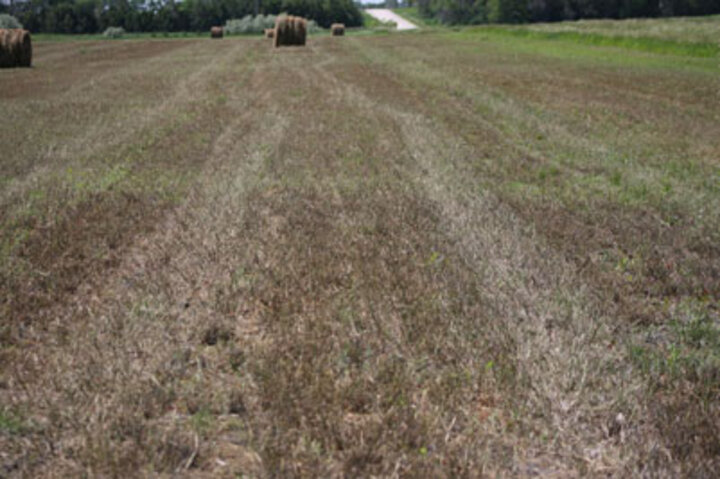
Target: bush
(249, 24)
(326, 12)
(8, 21)
(312, 27)
(114, 32)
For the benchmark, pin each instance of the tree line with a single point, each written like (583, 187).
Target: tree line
(93, 16)
(521, 11)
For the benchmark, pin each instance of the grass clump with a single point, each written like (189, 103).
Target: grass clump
(685, 353)
(11, 423)
(682, 367)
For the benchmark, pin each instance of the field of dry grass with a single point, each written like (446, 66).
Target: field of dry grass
(450, 254)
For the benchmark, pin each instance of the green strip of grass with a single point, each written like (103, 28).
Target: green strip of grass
(369, 21)
(654, 45)
(371, 25)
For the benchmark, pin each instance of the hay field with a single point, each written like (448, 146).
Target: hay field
(445, 254)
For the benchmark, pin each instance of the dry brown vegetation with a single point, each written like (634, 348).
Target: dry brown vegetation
(502, 263)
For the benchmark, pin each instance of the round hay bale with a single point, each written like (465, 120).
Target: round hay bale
(269, 33)
(15, 48)
(7, 58)
(25, 43)
(337, 29)
(216, 32)
(290, 30)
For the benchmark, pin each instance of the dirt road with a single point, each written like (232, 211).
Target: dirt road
(386, 15)
(322, 262)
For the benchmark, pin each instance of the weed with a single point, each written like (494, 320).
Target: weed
(11, 423)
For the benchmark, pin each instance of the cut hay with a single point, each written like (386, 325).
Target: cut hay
(269, 33)
(15, 48)
(216, 32)
(337, 29)
(290, 30)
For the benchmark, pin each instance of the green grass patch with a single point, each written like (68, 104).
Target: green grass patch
(612, 54)
(411, 14)
(369, 21)
(654, 45)
(202, 421)
(11, 423)
(372, 25)
(703, 29)
(689, 351)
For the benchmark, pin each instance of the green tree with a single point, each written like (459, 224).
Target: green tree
(508, 11)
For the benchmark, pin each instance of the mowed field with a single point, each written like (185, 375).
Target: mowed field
(445, 254)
